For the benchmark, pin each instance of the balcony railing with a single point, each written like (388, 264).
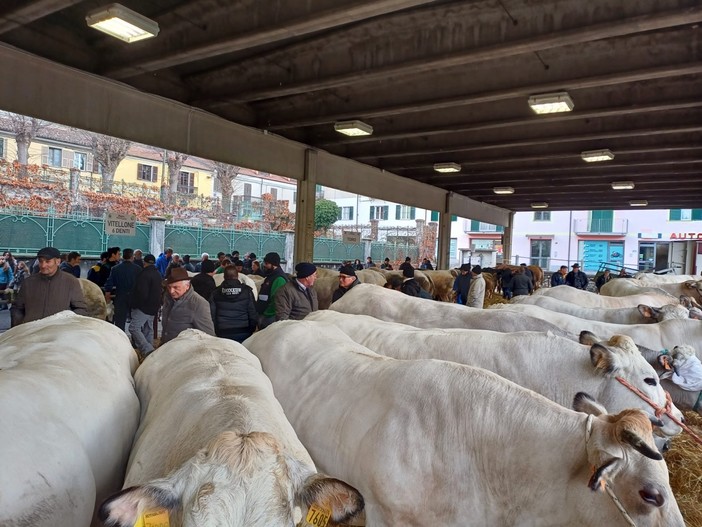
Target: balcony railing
(614, 227)
(185, 189)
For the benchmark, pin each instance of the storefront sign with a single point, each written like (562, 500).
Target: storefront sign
(121, 224)
(351, 237)
(686, 236)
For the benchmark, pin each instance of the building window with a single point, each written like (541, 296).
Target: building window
(295, 196)
(54, 159)
(540, 253)
(542, 215)
(147, 173)
(80, 161)
(403, 212)
(379, 212)
(685, 214)
(274, 193)
(2, 148)
(319, 192)
(186, 183)
(346, 213)
(247, 191)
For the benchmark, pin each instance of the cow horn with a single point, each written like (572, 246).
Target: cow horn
(640, 445)
(655, 421)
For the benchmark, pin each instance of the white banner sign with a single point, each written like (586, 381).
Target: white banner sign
(122, 224)
(351, 237)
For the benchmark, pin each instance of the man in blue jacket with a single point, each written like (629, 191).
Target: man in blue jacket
(163, 261)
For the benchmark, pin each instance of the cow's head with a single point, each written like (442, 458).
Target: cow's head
(619, 357)
(665, 312)
(238, 480)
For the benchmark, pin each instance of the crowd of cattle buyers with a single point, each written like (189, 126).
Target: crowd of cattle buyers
(380, 408)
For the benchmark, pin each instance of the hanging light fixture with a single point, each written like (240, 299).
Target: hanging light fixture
(446, 168)
(353, 128)
(539, 205)
(503, 190)
(638, 203)
(122, 23)
(623, 185)
(551, 102)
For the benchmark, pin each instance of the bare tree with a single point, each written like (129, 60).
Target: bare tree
(109, 152)
(226, 174)
(175, 161)
(25, 130)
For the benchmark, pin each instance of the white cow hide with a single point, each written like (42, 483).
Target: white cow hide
(588, 299)
(68, 413)
(214, 446)
(438, 443)
(553, 366)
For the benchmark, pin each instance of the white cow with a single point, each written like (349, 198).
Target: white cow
(68, 413)
(630, 286)
(438, 443)
(641, 314)
(588, 299)
(555, 367)
(651, 279)
(214, 447)
(394, 306)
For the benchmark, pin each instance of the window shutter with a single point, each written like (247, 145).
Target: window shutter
(386, 209)
(434, 215)
(398, 212)
(371, 213)
(44, 155)
(154, 175)
(696, 214)
(454, 217)
(66, 158)
(413, 212)
(351, 216)
(474, 226)
(89, 163)
(675, 215)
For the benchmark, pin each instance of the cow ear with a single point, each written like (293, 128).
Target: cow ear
(583, 402)
(588, 338)
(648, 311)
(638, 444)
(124, 508)
(601, 475)
(603, 359)
(344, 501)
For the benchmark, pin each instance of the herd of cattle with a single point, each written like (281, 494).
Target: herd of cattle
(382, 410)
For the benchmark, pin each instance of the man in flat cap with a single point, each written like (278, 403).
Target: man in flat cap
(48, 292)
(296, 299)
(347, 279)
(183, 308)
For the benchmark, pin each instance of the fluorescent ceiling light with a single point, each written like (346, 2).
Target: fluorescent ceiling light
(551, 102)
(638, 203)
(539, 205)
(353, 128)
(623, 185)
(122, 23)
(503, 190)
(447, 167)
(592, 156)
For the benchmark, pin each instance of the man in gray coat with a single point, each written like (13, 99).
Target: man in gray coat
(296, 299)
(183, 308)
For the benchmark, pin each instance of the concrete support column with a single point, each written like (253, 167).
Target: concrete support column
(289, 252)
(507, 240)
(157, 240)
(367, 244)
(304, 215)
(74, 185)
(443, 260)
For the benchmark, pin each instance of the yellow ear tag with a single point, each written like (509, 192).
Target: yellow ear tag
(318, 516)
(153, 518)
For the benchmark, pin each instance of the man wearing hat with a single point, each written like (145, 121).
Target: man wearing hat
(476, 292)
(347, 279)
(461, 285)
(275, 279)
(145, 303)
(296, 299)
(410, 286)
(183, 308)
(576, 278)
(47, 292)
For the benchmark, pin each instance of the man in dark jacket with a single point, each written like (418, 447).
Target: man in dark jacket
(99, 272)
(558, 278)
(47, 292)
(347, 279)
(203, 283)
(183, 308)
(297, 298)
(410, 286)
(461, 284)
(233, 308)
(521, 283)
(576, 278)
(145, 303)
(72, 264)
(120, 283)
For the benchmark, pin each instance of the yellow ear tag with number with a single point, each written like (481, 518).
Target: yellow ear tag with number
(153, 518)
(318, 516)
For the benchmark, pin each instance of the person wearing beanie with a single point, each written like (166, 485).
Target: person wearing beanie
(461, 285)
(275, 279)
(347, 280)
(203, 283)
(296, 299)
(47, 292)
(410, 286)
(476, 292)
